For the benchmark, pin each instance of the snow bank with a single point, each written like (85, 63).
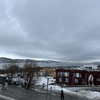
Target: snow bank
(42, 80)
(89, 94)
(6, 98)
(71, 90)
(82, 93)
(58, 88)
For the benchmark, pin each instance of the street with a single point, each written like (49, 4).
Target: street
(19, 93)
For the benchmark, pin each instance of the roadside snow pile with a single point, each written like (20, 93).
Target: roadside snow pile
(58, 88)
(71, 90)
(89, 94)
(42, 80)
(5, 98)
(82, 93)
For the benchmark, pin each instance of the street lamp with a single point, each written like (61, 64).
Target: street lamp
(50, 92)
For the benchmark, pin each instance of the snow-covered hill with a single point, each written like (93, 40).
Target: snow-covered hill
(41, 63)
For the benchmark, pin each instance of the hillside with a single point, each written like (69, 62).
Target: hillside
(41, 63)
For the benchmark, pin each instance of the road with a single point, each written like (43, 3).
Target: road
(19, 93)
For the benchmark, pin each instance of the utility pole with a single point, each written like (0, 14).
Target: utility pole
(50, 92)
(47, 89)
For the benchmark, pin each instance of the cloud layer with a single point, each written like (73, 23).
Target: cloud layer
(50, 29)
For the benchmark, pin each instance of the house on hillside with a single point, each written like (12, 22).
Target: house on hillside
(90, 67)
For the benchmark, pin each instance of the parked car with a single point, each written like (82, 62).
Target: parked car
(17, 81)
(4, 79)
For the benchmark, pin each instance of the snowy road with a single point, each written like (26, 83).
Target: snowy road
(19, 93)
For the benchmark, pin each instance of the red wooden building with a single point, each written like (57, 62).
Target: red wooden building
(77, 77)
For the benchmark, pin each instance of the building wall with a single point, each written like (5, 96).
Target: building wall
(76, 77)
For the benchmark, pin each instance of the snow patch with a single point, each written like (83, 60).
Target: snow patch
(6, 98)
(89, 94)
(71, 90)
(42, 80)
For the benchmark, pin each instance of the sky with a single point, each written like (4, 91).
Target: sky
(65, 30)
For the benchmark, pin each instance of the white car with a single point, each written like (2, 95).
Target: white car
(17, 81)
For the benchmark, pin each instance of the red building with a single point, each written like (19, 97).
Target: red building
(77, 77)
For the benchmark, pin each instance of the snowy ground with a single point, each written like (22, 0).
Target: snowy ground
(78, 91)
(71, 90)
(5, 98)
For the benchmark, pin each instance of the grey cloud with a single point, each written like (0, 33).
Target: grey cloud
(58, 29)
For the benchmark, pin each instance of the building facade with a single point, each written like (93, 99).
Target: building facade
(77, 77)
(90, 67)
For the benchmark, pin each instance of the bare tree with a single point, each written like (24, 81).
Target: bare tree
(31, 71)
(11, 69)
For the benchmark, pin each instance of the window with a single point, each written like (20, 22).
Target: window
(66, 80)
(61, 74)
(76, 80)
(58, 74)
(67, 74)
(98, 79)
(98, 67)
(83, 81)
(88, 68)
(60, 79)
(77, 75)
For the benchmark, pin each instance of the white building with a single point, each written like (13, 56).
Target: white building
(90, 67)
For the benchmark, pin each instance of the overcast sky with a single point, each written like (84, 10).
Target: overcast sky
(66, 30)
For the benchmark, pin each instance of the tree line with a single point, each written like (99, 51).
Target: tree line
(29, 71)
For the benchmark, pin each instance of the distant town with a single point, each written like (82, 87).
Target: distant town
(22, 71)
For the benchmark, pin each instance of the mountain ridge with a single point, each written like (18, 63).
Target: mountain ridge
(42, 63)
